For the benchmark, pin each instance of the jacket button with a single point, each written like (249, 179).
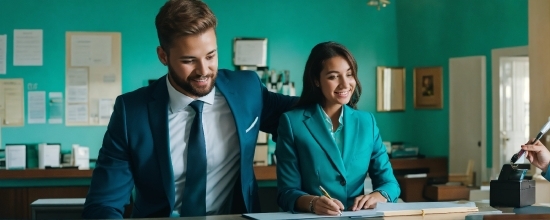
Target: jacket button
(343, 182)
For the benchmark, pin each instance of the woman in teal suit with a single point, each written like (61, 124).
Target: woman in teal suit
(326, 142)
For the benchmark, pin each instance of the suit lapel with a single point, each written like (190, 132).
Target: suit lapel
(158, 120)
(351, 129)
(315, 124)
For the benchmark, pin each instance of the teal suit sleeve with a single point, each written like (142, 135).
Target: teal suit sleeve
(546, 175)
(380, 170)
(112, 180)
(289, 180)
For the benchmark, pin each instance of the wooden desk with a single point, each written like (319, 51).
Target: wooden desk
(411, 188)
(57, 208)
(19, 188)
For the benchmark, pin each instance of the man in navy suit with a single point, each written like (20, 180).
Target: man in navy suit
(152, 130)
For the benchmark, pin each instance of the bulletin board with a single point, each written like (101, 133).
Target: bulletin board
(12, 110)
(92, 77)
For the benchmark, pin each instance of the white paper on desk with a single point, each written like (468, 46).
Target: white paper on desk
(288, 215)
(3, 52)
(420, 208)
(91, 50)
(381, 207)
(281, 215)
(48, 155)
(16, 157)
(27, 47)
(36, 107)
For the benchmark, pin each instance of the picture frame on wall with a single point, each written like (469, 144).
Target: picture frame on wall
(428, 87)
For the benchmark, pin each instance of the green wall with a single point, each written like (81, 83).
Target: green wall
(292, 27)
(432, 31)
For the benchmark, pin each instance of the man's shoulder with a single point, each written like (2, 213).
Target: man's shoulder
(237, 74)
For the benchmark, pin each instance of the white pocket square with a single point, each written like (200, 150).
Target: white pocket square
(252, 125)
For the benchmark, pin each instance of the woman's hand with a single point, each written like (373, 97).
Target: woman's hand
(367, 201)
(537, 154)
(325, 206)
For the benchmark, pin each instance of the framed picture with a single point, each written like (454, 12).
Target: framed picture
(250, 52)
(428, 87)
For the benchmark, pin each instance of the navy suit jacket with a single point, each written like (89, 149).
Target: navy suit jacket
(308, 157)
(136, 148)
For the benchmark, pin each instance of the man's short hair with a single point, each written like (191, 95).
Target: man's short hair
(178, 18)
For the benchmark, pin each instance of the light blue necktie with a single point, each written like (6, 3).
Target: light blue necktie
(193, 201)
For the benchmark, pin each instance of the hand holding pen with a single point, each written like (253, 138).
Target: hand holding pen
(326, 205)
(537, 154)
(516, 156)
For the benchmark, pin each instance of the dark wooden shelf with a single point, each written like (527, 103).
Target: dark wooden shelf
(265, 173)
(45, 174)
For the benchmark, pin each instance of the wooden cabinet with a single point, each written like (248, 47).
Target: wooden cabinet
(15, 201)
(19, 188)
(412, 189)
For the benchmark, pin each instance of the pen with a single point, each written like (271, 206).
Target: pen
(516, 156)
(325, 193)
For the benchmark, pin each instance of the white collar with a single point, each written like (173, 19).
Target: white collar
(178, 101)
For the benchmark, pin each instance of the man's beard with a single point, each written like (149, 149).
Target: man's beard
(186, 85)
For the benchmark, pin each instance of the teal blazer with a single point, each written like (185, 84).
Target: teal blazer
(308, 157)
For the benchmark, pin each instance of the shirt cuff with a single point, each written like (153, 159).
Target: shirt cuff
(384, 194)
(546, 175)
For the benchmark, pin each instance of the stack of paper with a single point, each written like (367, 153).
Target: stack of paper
(81, 157)
(48, 155)
(424, 208)
(16, 157)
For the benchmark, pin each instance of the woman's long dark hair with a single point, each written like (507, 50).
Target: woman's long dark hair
(311, 94)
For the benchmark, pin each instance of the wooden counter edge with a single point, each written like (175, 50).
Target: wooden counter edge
(45, 174)
(265, 173)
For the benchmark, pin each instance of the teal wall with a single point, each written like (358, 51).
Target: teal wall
(292, 27)
(406, 33)
(432, 31)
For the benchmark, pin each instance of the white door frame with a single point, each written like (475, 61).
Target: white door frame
(496, 54)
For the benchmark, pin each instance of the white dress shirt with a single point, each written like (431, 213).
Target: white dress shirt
(222, 147)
